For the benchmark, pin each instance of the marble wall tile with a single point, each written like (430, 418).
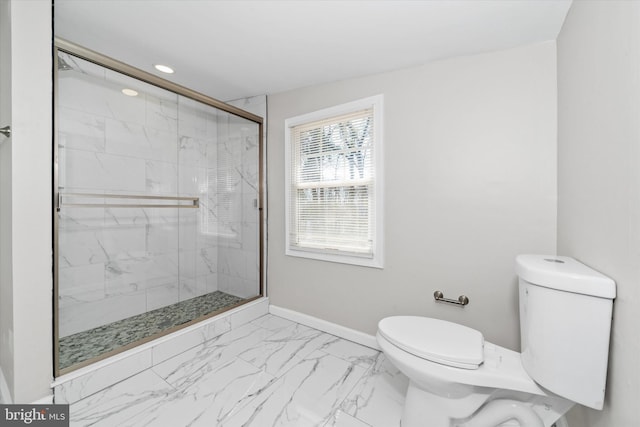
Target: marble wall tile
(79, 130)
(188, 230)
(231, 262)
(194, 151)
(83, 93)
(249, 312)
(160, 178)
(81, 219)
(120, 106)
(209, 282)
(193, 181)
(92, 382)
(81, 247)
(237, 286)
(139, 273)
(161, 238)
(229, 284)
(78, 283)
(193, 118)
(89, 315)
(114, 217)
(207, 260)
(101, 172)
(191, 288)
(251, 265)
(163, 295)
(162, 112)
(120, 242)
(183, 342)
(115, 405)
(136, 140)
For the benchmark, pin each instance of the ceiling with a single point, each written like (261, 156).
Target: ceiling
(238, 48)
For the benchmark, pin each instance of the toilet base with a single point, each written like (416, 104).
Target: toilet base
(424, 409)
(478, 406)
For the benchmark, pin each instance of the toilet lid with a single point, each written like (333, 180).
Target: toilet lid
(436, 340)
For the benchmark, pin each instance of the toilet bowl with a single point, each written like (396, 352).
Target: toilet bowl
(457, 379)
(448, 392)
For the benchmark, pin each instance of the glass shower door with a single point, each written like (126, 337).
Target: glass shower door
(157, 224)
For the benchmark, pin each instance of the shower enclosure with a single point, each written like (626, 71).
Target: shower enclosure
(157, 221)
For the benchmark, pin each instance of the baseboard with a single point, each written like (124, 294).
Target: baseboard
(47, 400)
(5, 394)
(325, 326)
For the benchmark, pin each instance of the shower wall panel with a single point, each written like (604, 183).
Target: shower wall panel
(238, 215)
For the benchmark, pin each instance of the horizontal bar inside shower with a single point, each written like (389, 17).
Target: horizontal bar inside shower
(194, 202)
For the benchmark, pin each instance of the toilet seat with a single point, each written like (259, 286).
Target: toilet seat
(502, 368)
(435, 340)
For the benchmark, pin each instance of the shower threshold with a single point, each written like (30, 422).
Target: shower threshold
(77, 349)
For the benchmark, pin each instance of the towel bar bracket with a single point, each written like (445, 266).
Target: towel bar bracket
(6, 131)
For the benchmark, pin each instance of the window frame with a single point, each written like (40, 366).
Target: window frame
(334, 255)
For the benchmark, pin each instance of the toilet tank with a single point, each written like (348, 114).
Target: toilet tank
(565, 323)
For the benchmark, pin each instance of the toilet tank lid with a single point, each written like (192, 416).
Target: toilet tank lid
(436, 340)
(565, 274)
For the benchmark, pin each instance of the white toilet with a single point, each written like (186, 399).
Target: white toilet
(458, 379)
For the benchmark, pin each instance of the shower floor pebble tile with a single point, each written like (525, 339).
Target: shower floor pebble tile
(270, 372)
(95, 342)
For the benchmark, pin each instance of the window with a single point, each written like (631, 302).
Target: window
(334, 184)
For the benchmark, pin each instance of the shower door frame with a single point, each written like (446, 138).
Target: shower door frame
(61, 45)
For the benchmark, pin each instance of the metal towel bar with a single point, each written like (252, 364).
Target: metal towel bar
(62, 203)
(462, 299)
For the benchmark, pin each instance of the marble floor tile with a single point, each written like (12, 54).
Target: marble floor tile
(350, 351)
(271, 372)
(285, 348)
(188, 367)
(341, 419)
(306, 395)
(378, 398)
(120, 402)
(209, 400)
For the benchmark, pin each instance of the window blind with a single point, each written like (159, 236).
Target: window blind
(332, 185)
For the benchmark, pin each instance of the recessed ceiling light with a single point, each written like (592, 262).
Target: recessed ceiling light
(164, 68)
(129, 92)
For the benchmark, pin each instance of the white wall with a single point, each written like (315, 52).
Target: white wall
(25, 217)
(599, 177)
(470, 183)
(6, 290)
